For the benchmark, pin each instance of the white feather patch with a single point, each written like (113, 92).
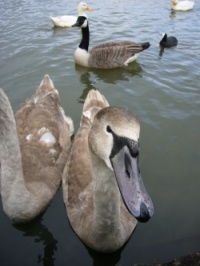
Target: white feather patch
(48, 139)
(52, 151)
(29, 137)
(131, 59)
(81, 57)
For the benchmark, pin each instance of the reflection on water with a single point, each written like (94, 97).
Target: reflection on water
(40, 233)
(173, 14)
(85, 79)
(162, 49)
(104, 259)
(90, 77)
(111, 76)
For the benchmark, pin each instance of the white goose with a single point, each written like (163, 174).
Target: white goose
(34, 147)
(182, 5)
(106, 55)
(68, 21)
(102, 187)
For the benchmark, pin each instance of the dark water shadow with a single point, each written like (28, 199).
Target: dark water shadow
(40, 233)
(172, 14)
(162, 49)
(85, 79)
(105, 259)
(0, 178)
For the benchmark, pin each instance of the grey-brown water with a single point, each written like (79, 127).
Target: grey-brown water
(161, 88)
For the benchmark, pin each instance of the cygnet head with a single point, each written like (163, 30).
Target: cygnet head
(114, 138)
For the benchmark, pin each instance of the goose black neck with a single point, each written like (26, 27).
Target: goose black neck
(85, 38)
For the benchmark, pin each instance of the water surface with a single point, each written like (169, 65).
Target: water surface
(161, 88)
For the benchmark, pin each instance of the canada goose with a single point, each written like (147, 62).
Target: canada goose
(168, 42)
(106, 55)
(68, 21)
(103, 163)
(34, 147)
(182, 5)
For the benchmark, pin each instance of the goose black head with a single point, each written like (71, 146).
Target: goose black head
(81, 22)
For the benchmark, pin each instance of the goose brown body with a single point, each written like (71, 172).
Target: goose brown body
(114, 54)
(34, 148)
(107, 55)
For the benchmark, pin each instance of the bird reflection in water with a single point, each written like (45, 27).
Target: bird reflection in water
(90, 77)
(161, 52)
(172, 14)
(40, 233)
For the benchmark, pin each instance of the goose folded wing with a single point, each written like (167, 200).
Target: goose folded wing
(113, 54)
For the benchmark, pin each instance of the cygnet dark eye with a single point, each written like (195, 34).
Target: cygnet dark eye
(109, 129)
